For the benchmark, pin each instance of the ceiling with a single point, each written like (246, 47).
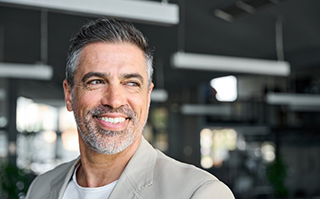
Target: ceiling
(199, 31)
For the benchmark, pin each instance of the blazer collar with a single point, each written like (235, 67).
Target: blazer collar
(138, 174)
(60, 183)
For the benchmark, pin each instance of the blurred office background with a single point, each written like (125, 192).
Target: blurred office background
(237, 89)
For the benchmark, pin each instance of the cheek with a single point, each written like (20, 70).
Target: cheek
(140, 106)
(85, 101)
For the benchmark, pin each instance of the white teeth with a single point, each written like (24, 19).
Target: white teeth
(113, 120)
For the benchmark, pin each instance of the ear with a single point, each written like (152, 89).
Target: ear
(67, 95)
(149, 93)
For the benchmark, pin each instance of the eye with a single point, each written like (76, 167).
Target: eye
(95, 82)
(133, 84)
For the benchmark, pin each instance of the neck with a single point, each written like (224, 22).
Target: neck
(97, 170)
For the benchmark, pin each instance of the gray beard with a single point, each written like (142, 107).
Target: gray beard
(104, 141)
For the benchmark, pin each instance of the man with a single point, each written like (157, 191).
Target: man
(108, 87)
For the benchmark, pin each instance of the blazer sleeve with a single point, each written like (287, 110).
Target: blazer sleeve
(213, 190)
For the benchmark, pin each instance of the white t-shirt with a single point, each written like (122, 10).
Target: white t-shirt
(75, 191)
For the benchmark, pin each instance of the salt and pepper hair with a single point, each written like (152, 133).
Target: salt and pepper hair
(108, 31)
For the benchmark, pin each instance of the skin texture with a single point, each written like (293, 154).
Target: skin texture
(110, 101)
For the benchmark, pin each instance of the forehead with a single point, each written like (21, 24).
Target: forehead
(112, 57)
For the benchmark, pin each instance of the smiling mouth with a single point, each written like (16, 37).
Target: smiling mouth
(113, 120)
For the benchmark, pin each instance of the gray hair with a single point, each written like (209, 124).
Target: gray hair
(110, 31)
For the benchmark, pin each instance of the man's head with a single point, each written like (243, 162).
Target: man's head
(108, 84)
(108, 31)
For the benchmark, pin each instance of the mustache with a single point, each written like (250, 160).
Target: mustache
(101, 109)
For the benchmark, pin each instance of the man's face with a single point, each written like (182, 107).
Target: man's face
(111, 97)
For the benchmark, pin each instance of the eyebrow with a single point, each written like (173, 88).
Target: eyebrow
(93, 74)
(133, 75)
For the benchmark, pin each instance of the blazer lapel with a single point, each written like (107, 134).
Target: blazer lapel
(138, 174)
(59, 184)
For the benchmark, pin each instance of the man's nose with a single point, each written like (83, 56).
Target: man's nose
(113, 96)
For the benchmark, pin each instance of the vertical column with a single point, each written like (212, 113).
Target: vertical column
(12, 115)
(175, 134)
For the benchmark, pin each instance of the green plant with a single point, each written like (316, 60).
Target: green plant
(14, 182)
(276, 174)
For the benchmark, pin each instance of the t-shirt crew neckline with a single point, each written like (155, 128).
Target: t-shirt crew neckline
(74, 178)
(75, 191)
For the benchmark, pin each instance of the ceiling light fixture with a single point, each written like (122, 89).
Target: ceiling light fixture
(293, 99)
(159, 95)
(230, 64)
(26, 71)
(144, 11)
(204, 109)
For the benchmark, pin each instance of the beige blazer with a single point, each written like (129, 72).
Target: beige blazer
(149, 175)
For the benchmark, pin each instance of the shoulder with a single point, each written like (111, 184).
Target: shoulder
(44, 183)
(61, 169)
(187, 179)
(166, 165)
